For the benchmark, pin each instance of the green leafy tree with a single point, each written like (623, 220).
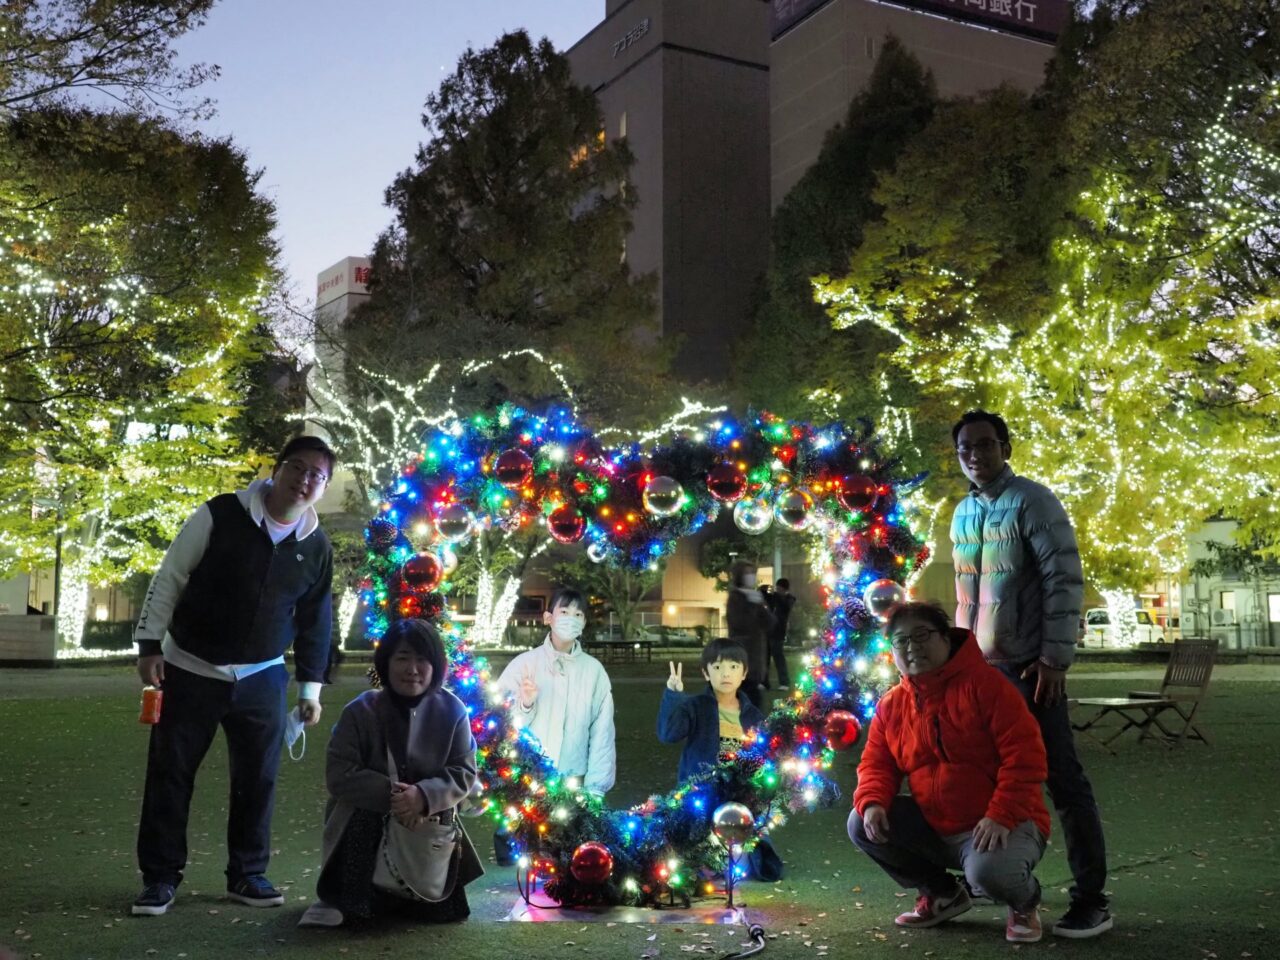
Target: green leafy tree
(509, 233)
(795, 363)
(1121, 314)
(52, 50)
(129, 289)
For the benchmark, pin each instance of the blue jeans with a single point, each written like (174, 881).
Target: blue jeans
(915, 855)
(1071, 793)
(252, 712)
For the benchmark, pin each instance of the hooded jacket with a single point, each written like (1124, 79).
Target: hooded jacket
(1019, 584)
(226, 594)
(572, 716)
(966, 742)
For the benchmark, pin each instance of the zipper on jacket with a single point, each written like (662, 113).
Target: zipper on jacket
(937, 728)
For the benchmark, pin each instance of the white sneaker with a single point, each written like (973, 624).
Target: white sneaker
(320, 914)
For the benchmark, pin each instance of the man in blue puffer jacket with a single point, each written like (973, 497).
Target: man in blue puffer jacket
(1019, 588)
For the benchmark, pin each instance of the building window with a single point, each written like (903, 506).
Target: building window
(1227, 600)
(1273, 607)
(622, 124)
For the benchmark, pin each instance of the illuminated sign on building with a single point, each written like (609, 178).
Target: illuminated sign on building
(349, 275)
(1040, 19)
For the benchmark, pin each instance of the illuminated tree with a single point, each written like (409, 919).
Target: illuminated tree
(134, 262)
(376, 438)
(1128, 332)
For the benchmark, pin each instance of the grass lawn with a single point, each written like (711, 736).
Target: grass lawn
(1192, 836)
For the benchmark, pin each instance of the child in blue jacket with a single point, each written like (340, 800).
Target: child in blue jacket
(714, 721)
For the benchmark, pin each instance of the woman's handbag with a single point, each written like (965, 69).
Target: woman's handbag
(422, 863)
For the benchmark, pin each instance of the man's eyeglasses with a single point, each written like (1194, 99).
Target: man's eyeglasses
(982, 446)
(919, 635)
(311, 473)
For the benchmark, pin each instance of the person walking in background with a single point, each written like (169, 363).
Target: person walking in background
(780, 600)
(247, 577)
(1019, 588)
(749, 622)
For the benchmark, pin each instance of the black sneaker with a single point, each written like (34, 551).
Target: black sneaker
(154, 900)
(255, 891)
(1082, 921)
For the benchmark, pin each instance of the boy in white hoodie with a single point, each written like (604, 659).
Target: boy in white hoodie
(563, 697)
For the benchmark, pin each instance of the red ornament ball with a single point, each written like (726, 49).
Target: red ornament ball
(513, 468)
(726, 482)
(567, 524)
(842, 729)
(422, 573)
(592, 863)
(858, 493)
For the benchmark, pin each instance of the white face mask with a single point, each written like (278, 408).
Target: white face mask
(295, 730)
(749, 580)
(566, 626)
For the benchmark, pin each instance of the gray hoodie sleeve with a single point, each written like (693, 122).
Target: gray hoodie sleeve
(1052, 541)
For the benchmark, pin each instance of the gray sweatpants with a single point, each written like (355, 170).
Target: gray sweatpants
(916, 856)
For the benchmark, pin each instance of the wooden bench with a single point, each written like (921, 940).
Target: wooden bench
(1167, 714)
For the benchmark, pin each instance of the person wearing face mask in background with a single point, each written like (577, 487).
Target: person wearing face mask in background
(749, 622)
(562, 695)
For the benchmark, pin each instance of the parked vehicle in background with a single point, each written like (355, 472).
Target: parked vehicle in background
(1096, 629)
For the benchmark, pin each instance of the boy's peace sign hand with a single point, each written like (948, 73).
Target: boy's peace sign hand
(676, 680)
(528, 689)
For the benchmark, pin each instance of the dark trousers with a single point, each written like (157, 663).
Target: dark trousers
(779, 659)
(252, 713)
(914, 855)
(1071, 793)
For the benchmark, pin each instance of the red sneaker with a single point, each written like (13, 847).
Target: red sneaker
(931, 911)
(1023, 927)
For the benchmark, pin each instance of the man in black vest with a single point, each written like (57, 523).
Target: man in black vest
(247, 577)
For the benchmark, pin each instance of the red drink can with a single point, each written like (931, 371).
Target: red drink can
(152, 697)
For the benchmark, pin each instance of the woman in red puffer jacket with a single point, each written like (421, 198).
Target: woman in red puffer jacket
(971, 752)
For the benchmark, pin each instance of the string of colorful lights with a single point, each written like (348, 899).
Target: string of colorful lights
(629, 505)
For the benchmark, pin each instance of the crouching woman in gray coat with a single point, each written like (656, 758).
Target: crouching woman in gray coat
(428, 735)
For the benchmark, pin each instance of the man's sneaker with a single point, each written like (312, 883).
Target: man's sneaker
(931, 911)
(1082, 921)
(154, 900)
(255, 891)
(1023, 927)
(320, 914)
